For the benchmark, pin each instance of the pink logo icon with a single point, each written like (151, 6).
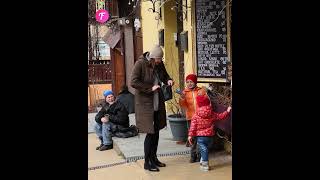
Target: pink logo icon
(102, 15)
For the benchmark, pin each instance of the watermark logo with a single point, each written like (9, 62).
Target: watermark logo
(102, 15)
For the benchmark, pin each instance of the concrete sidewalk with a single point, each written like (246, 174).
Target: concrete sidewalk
(177, 168)
(125, 160)
(109, 165)
(132, 148)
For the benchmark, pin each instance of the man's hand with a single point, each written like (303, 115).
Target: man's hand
(155, 87)
(170, 82)
(105, 119)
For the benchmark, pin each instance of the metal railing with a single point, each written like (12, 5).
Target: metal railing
(99, 72)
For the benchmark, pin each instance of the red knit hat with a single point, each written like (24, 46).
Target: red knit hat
(202, 101)
(192, 77)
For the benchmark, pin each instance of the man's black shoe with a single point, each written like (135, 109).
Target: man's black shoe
(97, 148)
(106, 147)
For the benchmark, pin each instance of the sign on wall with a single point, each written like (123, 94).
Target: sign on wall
(211, 39)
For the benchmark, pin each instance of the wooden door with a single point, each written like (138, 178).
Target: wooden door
(118, 70)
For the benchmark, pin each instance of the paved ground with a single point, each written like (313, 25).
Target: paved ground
(133, 147)
(112, 164)
(177, 168)
(99, 158)
(133, 171)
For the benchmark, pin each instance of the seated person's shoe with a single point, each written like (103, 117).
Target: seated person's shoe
(106, 147)
(150, 166)
(97, 148)
(158, 163)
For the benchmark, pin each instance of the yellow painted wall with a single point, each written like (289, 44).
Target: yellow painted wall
(149, 26)
(150, 30)
(171, 60)
(95, 92)
(188, 26)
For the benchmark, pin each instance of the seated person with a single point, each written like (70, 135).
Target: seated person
(112, 117)
(126, 98)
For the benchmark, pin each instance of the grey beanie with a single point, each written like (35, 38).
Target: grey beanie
(156, 52)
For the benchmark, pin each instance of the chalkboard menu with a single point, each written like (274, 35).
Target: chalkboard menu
(211, 39)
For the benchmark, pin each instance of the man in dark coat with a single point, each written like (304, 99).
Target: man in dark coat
(126, 98)
(112, 117)
(147, 75)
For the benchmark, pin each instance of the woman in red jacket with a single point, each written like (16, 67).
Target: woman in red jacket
(202, 128)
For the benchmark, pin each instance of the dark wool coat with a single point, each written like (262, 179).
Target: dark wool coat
(127, 99)
(117, 112)
(142, 80)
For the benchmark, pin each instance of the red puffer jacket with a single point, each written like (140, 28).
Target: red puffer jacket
(202, 121)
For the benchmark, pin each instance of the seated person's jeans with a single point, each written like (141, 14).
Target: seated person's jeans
(104, 132)
(203, 143)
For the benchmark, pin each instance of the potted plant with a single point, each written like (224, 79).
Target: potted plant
(177, 120)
